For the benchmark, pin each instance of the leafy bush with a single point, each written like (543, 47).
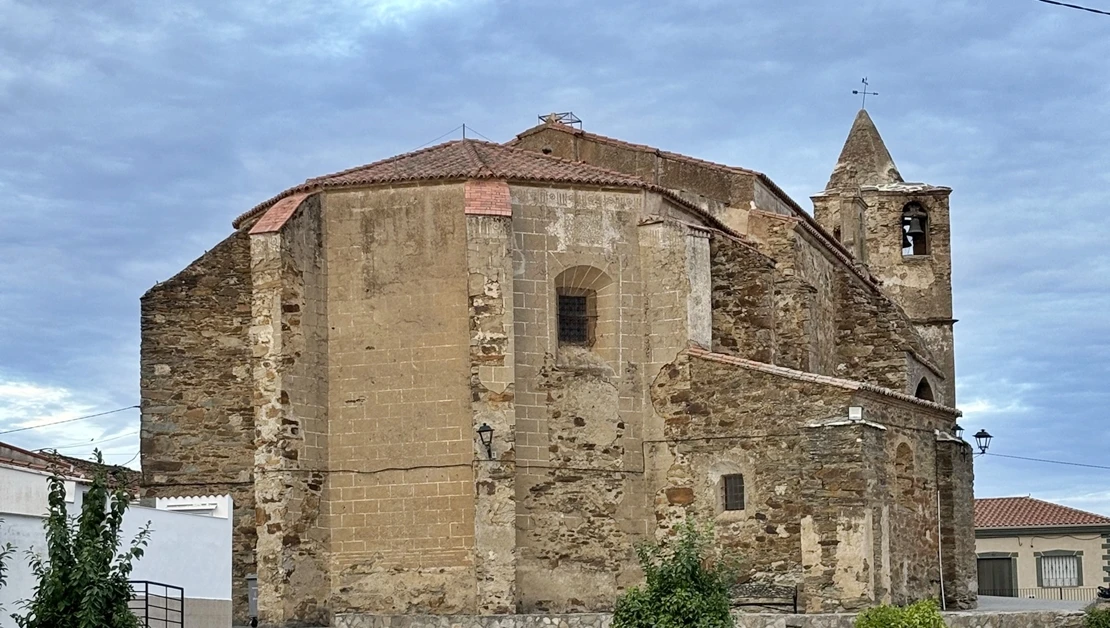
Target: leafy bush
(687, 584)
(1097, 618)
(6, 550)
(923, 614)
(82, 582)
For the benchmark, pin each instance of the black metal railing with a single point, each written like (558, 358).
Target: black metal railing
(1071, 594)
(157, 605)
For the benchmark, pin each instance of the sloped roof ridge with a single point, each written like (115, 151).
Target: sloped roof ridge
(839, 382)
(473, 150)
(605, 139)
(1027, 511)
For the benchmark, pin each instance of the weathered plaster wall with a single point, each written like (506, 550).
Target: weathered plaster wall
(289, 335)
(579, 412)
(400, 496)
(493, 392)
(197, 426)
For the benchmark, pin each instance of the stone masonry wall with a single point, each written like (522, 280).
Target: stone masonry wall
(721, 419)
(400, 497)
(848, 512)
(289, 335)
(743, 308)
(921, 284)
(197, 426)
(1031, 619)
(579, 410)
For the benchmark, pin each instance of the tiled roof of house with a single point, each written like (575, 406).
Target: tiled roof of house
(472, 159)
(36, 460)
(1026, 512)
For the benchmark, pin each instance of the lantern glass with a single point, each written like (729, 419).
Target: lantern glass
(485, 434)
(958, 431)
(983, 440)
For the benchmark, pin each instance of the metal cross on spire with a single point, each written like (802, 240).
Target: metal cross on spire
(864, 92)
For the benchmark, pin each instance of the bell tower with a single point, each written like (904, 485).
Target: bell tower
(900, 231)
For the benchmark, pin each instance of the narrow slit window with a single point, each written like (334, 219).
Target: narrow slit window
(734, 491)
(574, 319)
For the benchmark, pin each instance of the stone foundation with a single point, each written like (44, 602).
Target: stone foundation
(1031, 619)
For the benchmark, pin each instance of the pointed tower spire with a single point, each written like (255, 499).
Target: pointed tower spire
(864, 160)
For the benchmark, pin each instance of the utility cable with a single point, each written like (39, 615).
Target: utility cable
(1075, 6)
(80, 418)
(438, 138)
(88, 444)
(1070, 464)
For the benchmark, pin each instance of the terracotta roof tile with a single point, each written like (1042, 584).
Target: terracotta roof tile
(472, 159)
(1027, 512)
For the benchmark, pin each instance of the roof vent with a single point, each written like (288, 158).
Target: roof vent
(567, 117)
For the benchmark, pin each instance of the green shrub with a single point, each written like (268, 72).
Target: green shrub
(687, 584)
(1097, 618)
(923, 614)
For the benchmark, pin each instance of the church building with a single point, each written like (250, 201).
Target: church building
(469, 379)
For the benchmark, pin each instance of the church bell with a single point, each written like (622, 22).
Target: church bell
(915, 230)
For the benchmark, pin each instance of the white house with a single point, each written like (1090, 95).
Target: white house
(189, 547)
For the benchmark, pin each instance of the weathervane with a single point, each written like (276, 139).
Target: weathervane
(864, 92)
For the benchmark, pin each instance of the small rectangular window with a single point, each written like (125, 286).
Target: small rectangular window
(574, 319)
(734, 492)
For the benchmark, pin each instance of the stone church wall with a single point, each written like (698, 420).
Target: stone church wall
(195, 384)
(841, 499)
(579, 411)
(400, 502)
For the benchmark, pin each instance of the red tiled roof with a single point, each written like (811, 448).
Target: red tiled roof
(471, 159)
(1026, 512)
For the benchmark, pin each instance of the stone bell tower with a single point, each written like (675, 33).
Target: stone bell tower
(900, 231)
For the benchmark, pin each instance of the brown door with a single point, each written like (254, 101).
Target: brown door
(996, 577)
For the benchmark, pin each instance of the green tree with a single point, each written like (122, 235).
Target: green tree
(687, 584)
(6, 550)
(82, 580)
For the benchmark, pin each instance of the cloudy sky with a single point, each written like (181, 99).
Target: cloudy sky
(134, 132)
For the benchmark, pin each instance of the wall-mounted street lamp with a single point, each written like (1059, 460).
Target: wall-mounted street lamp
(983, 440)
(958, 431)
(485, 435)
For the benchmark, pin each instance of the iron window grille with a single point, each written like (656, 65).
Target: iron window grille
(575, 320)
(734, 492)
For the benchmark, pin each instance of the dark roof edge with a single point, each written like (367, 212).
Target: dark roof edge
(1037, 530)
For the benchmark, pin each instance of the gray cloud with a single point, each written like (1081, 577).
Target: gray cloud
(133, 134)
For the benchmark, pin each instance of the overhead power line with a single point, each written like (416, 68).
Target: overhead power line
(1070, 464)
(1075, 6)
(80, 418)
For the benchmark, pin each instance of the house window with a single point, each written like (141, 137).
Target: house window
(1059, 570)
(575, 318)
(733, 486)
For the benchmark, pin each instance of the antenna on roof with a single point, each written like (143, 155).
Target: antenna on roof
(567, 117)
